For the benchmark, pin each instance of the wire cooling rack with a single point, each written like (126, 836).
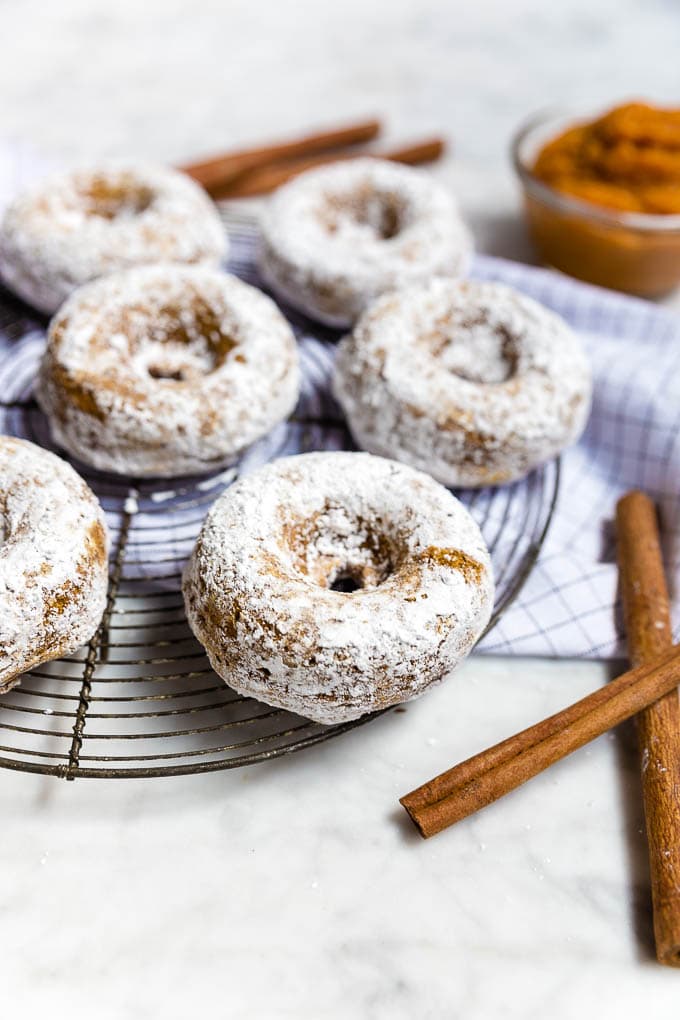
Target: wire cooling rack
(141, 700)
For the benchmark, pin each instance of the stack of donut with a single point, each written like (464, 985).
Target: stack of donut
(331, 584)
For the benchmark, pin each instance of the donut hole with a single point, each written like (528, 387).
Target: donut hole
(475, 349)
(176, 343)
(365, 211)
(346, 582)
(112, 198)
(341, 551)
(166, 372)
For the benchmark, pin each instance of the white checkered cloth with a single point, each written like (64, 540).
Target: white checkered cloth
(568, 606)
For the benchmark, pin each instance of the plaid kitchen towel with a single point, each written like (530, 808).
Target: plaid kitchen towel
(568, 605)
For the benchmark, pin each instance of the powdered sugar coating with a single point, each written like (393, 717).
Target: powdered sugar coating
(167, 370)
(77, 226)
(335, 238)
(258, 589)
(53, 559)
(472, 382)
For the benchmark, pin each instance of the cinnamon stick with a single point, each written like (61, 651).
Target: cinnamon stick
(266, 178)
(485, 777)
(218, 171)
(648, 627)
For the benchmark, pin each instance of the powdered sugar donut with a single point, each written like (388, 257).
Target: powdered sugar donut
(166, 370)
(53, 559)
(77, 226)
(335, 584)
(472, 382)
(335, 238)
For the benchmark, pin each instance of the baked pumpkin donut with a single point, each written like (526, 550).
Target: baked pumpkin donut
(80, 225)
(335, 238)
(53, 559)
(472, 382)
(166, 370)
(335, 584)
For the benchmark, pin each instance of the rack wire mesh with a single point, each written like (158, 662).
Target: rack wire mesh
(140, 700)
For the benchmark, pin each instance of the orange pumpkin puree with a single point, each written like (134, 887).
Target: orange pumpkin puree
(628, 159)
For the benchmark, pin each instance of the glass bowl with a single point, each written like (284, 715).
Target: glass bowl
(633, 252)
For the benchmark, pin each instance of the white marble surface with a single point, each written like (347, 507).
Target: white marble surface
(284, 891)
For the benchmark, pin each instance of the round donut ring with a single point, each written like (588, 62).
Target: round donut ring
(78, 226)
(335, 584)
(53, 559)
(166, 370)
(472, 382)
(335, 238)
